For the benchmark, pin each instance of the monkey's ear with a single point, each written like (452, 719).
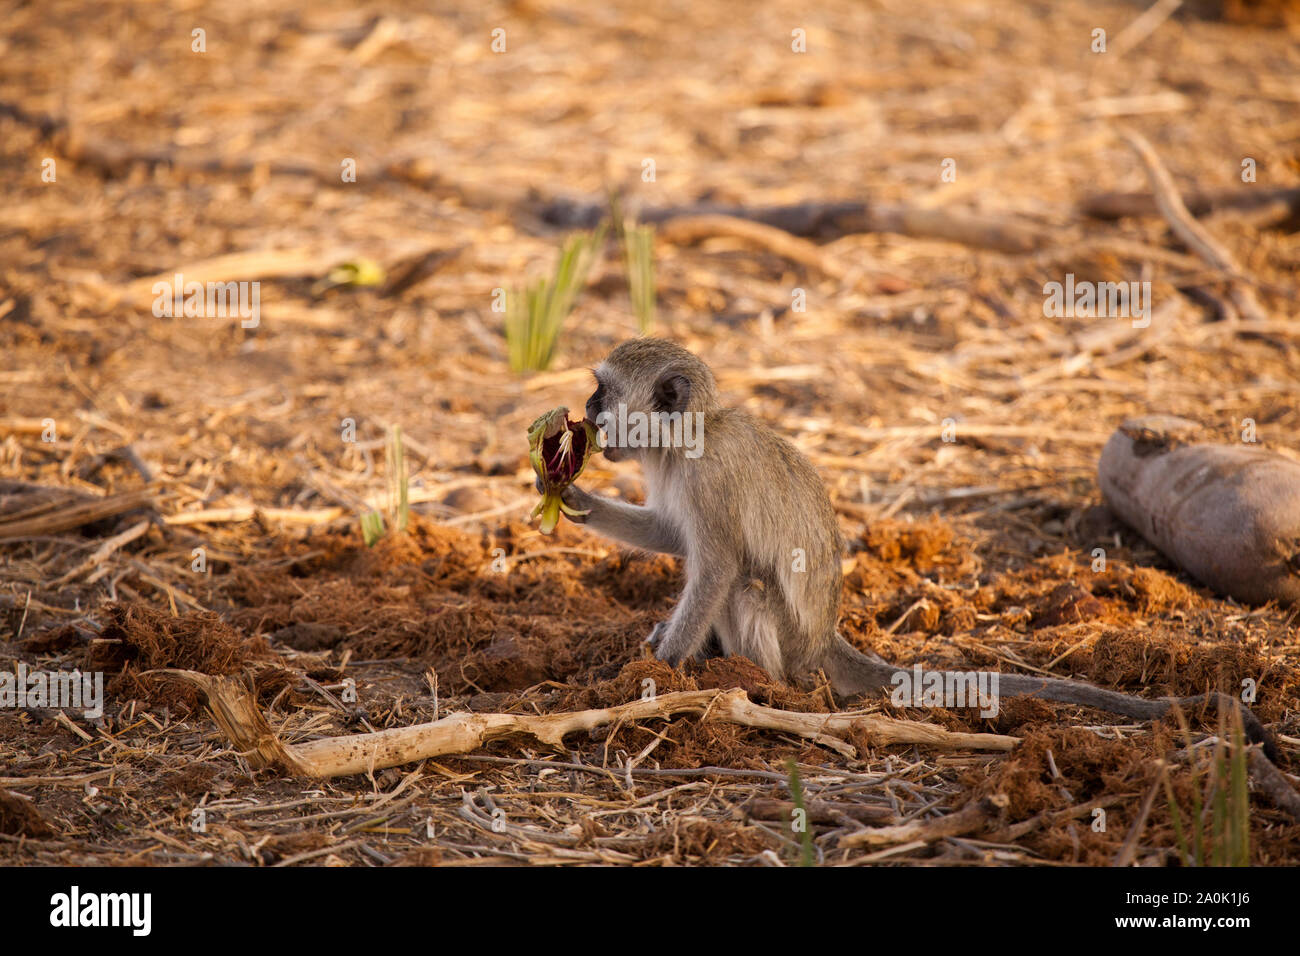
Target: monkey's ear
(672, 393)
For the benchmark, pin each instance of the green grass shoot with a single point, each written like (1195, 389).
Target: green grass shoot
(372, 527)
(807, 857)
(535, 314)
(373, 524)
(638, 244)
(399, 491)
(1216, 832)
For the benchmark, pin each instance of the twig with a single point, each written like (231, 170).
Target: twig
(1127, 852)
(1194, 235)
(694, 228)
(103, 551)
(1273, 783)
(969, 818)
(64, 516)
(1143, 26)
(1264, 201)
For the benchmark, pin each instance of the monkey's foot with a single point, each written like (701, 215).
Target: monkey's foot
(657, 635)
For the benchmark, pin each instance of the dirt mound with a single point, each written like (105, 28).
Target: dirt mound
(137, 639)
(19, 817)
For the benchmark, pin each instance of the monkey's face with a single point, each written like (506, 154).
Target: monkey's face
(631, 400)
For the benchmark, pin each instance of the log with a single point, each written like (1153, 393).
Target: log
(1229, 515)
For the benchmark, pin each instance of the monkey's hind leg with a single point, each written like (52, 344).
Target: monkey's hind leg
(750, 627)
(712, 647)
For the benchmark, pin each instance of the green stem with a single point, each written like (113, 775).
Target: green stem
(550, 513)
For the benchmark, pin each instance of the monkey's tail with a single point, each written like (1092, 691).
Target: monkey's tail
(853, 672)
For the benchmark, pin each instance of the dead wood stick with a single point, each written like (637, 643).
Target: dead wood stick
(405, 275)
(690, 229)
(821, 811)
(1128, 851)
(240, 719)
(1273, 783)
(237, 513)
(983, 232)
(67, 516)
(1194, 235)
(73, 780)
(174, 593)
(248, 512)
(739, 709)
(243, 266)
(1143, 26)
(1015, 831)
(103, 551)
(968, 819)
(1269, 202)
(960, 429)
(23, 426)
(829, 219)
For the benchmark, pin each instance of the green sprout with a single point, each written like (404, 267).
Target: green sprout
(535, 315)
(372, 527)
(399, 493)
(806, 855)
(1219, 824)
(638, 244)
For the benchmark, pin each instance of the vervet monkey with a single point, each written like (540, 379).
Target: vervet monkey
(752, 520)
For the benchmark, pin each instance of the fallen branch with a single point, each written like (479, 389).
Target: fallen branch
(237, 513)
(1051, 818)
(690, 229)
(831, 219)
(836, 813)
(103, 551)
(56, 516)
(974, 816)
(1272, 783)
(1261, 204)
(1141, 28)
(248, 512)
(240, 719)
(1192, 234)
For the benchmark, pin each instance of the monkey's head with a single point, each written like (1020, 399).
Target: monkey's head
(646, 380)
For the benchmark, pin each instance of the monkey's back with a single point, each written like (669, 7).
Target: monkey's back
(763, 491)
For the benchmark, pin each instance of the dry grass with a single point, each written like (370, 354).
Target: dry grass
(924, 307)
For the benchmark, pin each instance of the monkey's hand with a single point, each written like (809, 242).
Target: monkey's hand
(712, 648)
(577, 504)
(667, 649)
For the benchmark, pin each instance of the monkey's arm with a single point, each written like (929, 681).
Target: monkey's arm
(632, 524)
(709, 584)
